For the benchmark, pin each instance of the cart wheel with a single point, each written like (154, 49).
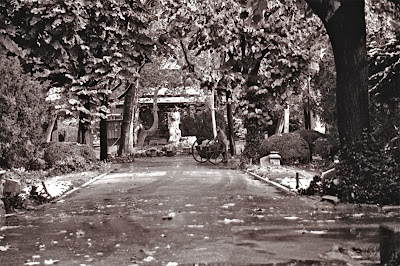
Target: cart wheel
(215, 152)
(196, 147)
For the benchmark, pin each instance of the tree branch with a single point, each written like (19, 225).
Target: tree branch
(320, 7)
(125, 92)
(243, 45)
(190, 65)
(257, 63)
(117, 86)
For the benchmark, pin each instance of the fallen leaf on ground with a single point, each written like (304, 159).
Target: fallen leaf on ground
(80, 233)
(228, 221)
(4, 248)
(149, 259)
(32, 263)
(50, 261)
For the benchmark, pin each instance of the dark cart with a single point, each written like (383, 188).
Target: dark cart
(207, 150)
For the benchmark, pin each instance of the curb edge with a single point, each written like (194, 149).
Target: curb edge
(281, 187)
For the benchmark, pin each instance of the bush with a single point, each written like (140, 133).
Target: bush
(22, 112)
(310, 136)
(365, 174)
(291, 146)
(326, 147)
(66, 157)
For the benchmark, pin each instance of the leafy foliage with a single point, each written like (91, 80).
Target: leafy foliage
(22, 114)
(384, 68)
(199, 124)
(81, 46)
(261, 51)
(65, 157)
(365, 174)
(327, 147)
(310, 136)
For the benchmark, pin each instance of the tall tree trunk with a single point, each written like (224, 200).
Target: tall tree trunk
(229, 114)
(286, 117)
(348, 36)
(144, 133)
(103, 139)
(137, 125)
(307, 114)
(126, 138)
(307, 106)
(49, 129)
(104, 130)
(84, 130)
(347, 32)
(213, 120)
(279, 126)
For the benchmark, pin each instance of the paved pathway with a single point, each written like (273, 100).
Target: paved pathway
(175, 211)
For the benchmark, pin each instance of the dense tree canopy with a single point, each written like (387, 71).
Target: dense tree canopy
(79, 45)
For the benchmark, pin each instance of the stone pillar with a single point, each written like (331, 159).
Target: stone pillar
(10, 191)
(389, 241)
(174, 120)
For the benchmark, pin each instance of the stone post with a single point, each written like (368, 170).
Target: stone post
(389, 241)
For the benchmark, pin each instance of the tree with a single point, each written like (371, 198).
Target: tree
(126, 140)
(260, 53)
(345, 25)
(22, 115)
(81, 46)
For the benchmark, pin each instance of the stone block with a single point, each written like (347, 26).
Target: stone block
(389, 241)
(12, 186)
(264, 161)
(272, 159)
(328, 174)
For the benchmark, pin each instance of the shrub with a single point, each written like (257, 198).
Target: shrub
(254, 138)
(365, 174)
(290, 146)
(22, 112)
(326, 147)
(67, 157)
(310, 136)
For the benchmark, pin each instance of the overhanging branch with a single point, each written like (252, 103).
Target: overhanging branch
(190, 65)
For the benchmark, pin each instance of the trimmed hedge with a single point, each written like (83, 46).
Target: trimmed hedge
(310, 136)
(291, 146)
(67, 157)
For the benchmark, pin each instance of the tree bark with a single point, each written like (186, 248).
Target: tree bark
(144, 133)
(307, 114)
(103, 139)
(280, 124)
(286, 119)
(126, 138)
(84, 131)
(348, 37)
(229, 114)
(347, 32)
(213, 120)
(49, 129)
